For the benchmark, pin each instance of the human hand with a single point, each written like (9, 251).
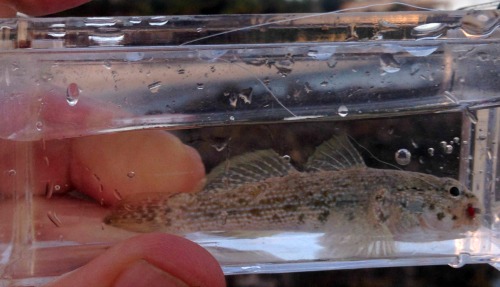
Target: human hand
(100, 167)
(8, 8)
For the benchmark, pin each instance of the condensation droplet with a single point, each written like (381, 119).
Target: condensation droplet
(430, 151)
(246, 95)
(72, 94)
(200, 86)
(343, 111)
(471, 115)
(403, 156)
(39, 126)
(389, 64)
(154, 87)
(130, 174)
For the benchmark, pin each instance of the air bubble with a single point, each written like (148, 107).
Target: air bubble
(343, 111)
(324, 83)
(231, 118)
(448, 149)
(403, 156)
(389, 64)
(12, 172)
(131, 174)
(154, 87)
(430, 151)
(200, 86)
(287, 158)
(72, 94)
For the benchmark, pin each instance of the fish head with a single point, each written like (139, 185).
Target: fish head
(450, 207)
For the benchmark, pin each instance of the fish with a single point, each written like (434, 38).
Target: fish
(361, 211)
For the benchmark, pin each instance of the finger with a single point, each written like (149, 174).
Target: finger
(116, 166)
(8, 8)
(178, 259)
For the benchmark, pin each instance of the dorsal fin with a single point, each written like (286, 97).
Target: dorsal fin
(335, 154)
(246, 168)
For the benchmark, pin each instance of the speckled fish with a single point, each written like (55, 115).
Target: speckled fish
(360, 210)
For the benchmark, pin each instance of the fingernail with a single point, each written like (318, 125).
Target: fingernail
(141, 273)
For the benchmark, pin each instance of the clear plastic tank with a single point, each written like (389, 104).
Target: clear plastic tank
(275, 106)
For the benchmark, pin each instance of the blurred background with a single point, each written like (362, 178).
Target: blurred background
(472, 275)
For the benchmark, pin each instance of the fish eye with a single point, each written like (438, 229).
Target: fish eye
(454, 191)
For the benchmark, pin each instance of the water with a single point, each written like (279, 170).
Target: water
(424, 106)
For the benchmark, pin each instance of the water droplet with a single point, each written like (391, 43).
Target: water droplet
(200, 86)
(246, 95)
(12, 172)
(421, 51)
(430, 151)
(135, 20)
(117, 194)
(107, 65)
(131, 174)
(154, 87)
(477, 24)
(322, 53)
(429, 31)
(39, 126)
(460, 260)
(134, 56)
(308, 88)
(220, 146)
(158, 21)
(233, 100)
(403, 156)
(72, 94)
(343, 111)
(471, 115)
(211, 55)
(389, 64)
